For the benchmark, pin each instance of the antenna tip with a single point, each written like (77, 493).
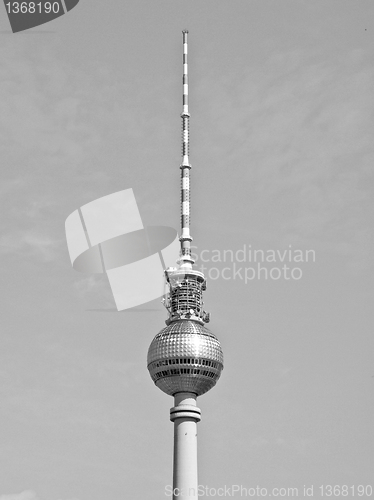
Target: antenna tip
(184, 31)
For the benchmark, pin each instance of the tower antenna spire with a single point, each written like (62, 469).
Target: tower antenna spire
(186, 285)
(186, 260)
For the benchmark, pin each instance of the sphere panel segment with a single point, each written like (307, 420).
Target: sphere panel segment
(185, 357)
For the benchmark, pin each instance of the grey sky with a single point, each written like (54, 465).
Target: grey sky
(281, 102)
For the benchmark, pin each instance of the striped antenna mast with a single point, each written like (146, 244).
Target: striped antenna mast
(186, 285)
(186, 260)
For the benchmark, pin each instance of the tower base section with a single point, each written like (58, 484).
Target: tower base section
(185, 416)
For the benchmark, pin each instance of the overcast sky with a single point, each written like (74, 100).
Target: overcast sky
(281, 133)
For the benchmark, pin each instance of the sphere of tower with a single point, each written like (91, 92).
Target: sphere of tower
(185, 357)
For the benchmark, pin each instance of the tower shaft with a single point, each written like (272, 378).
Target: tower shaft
(185, 416)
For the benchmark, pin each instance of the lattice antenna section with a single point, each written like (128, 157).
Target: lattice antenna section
(185, 297)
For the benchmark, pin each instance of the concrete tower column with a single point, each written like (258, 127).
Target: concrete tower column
(185, 415)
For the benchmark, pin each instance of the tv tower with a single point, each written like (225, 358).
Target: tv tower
(185, 359)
